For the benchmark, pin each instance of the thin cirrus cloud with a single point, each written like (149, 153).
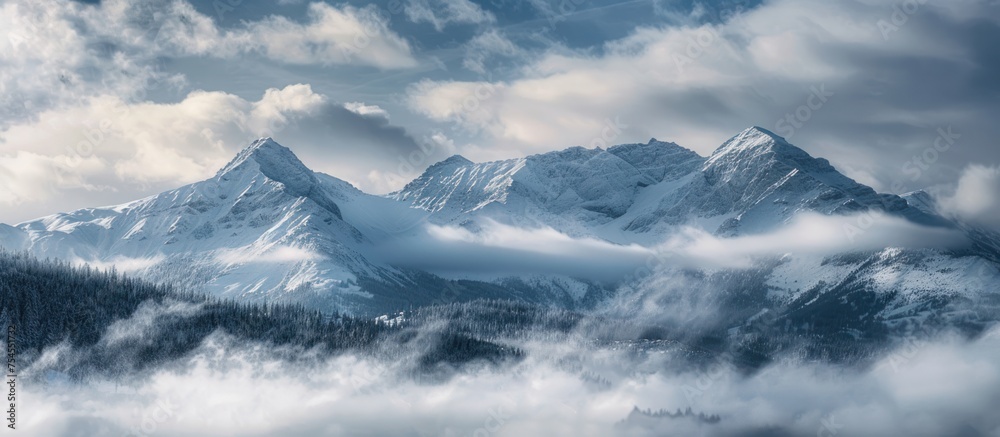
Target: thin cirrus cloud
(441, 13)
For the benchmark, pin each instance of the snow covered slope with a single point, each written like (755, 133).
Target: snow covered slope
(263, 225)
(12, 238)
(754, 182)
(565, 189)
(265, 228)
(268, 228)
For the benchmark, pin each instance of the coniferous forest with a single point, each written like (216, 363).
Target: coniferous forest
(117, 326)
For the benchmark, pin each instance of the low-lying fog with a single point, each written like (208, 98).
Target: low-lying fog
(926, 388)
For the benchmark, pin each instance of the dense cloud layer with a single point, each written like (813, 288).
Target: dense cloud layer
(925, 388)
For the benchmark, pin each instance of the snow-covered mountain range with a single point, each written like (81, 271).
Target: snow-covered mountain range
(266, 227)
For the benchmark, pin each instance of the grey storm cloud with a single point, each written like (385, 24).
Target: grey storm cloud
(350, 132)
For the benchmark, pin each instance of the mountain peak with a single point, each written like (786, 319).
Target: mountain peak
(921, 200)
(275, 161)
(753, 136)
(456, 160)
(263, 142)
(265, 156)
(759, 131)
(452, 161)
(257, 150)
(755, 141)
(759, 154)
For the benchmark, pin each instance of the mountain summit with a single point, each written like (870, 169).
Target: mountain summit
(278, 163)
(273, 159)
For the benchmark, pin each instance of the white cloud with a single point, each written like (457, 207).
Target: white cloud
(496, 249)
(56, 53)
(361, 108)
(27, 176)
(107, 144)
(977, 197)
(806, 234)
(539, 240)
(273, 109)
(493, 248)
(144, 322)
(486, 45)
(333, 35)
(122, 264)
(79, 86)
(60, 52)
(467, 104)
(270, 255)
(441, 13)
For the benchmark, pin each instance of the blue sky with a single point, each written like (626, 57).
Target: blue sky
(103, 102)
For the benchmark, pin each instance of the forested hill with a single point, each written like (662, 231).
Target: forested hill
(116, 326)
(114, 317)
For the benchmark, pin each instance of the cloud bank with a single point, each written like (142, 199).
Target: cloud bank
(927, 388)
(493, 248)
